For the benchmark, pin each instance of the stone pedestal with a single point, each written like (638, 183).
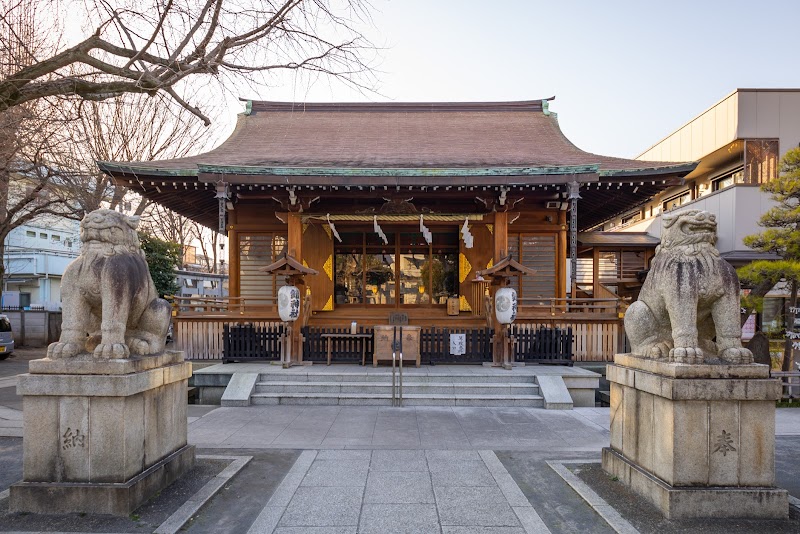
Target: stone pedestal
(102, 436)
(695, 440)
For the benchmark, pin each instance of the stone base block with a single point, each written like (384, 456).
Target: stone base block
(698, 502)
(99, 498)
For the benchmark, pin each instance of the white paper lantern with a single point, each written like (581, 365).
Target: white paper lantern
(289, 303)
(505, 305)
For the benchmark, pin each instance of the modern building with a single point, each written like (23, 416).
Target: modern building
(36, 256)
(201, 284)
(738, 143)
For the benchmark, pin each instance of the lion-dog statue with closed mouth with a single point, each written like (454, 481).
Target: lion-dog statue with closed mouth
(109, 302)
(688, 308)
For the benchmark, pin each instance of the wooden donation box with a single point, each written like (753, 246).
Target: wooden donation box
(383, 344)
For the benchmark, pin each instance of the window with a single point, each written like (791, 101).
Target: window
(42, 236)
(30, 233)
(678, 200)
(55, 238)
(405, 271)
(727, 179)
(631, 218)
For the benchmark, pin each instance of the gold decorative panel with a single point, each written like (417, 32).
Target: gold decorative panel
(328, 267)
(464, 267)
(490, 227)
(463, 305)
(327, 230)
(328, 305)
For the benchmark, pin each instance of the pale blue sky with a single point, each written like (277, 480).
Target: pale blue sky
(625, 73)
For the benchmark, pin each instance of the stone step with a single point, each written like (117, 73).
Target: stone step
(410, 399)
(417, 375)
(408, 386)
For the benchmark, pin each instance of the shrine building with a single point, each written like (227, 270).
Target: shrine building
(398, 207)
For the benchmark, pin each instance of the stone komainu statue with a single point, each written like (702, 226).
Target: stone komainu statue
(688, 308)
(108, 295)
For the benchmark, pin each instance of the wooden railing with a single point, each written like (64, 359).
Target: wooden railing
(790, 382)
(595, 341)
(541, 307)
(194, 306)
(202, 339)
(597, 333)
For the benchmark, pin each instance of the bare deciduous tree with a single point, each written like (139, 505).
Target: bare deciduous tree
(30, 136)
(152, 46)
(124, 128)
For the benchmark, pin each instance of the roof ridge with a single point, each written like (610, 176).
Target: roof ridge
(515, 105)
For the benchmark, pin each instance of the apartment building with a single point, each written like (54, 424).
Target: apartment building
(36, 256)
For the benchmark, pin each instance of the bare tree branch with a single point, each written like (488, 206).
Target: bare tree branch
(150, 46)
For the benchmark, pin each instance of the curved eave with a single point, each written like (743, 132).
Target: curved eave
(680, 168)
(115, 169)
(586, 172)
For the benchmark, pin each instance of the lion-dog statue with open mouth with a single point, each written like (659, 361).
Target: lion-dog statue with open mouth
(109, 302)
(688, 308)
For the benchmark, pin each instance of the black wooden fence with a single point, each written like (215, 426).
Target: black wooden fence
(435, 345)
(247, 342)
(542, 344)
(346, 350)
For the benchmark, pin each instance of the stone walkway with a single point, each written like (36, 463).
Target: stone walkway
(380, 427)
(398, 491)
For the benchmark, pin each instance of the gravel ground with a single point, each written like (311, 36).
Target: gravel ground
(647, 519)
(145, 519)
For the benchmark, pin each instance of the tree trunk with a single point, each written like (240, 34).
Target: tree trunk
(788, 347)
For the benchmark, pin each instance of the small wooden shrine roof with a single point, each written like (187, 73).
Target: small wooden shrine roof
(459, 145)
(288, 266)
(506, 267)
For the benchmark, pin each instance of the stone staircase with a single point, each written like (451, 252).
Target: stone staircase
(374, 389)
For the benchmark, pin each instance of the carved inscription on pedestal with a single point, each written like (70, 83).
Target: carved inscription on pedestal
(724, 443)
(72, 439)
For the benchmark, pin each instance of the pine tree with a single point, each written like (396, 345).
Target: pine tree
(781, 236)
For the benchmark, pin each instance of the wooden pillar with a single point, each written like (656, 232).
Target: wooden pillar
(294, 248)
(295, 236)
(500, 350)
(562, 255)
(595, 272)
(234, 250)
(500, 235)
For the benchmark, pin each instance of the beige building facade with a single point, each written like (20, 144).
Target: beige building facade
(738, 143)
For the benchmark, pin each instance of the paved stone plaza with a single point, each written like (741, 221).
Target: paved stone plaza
(342, 469)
